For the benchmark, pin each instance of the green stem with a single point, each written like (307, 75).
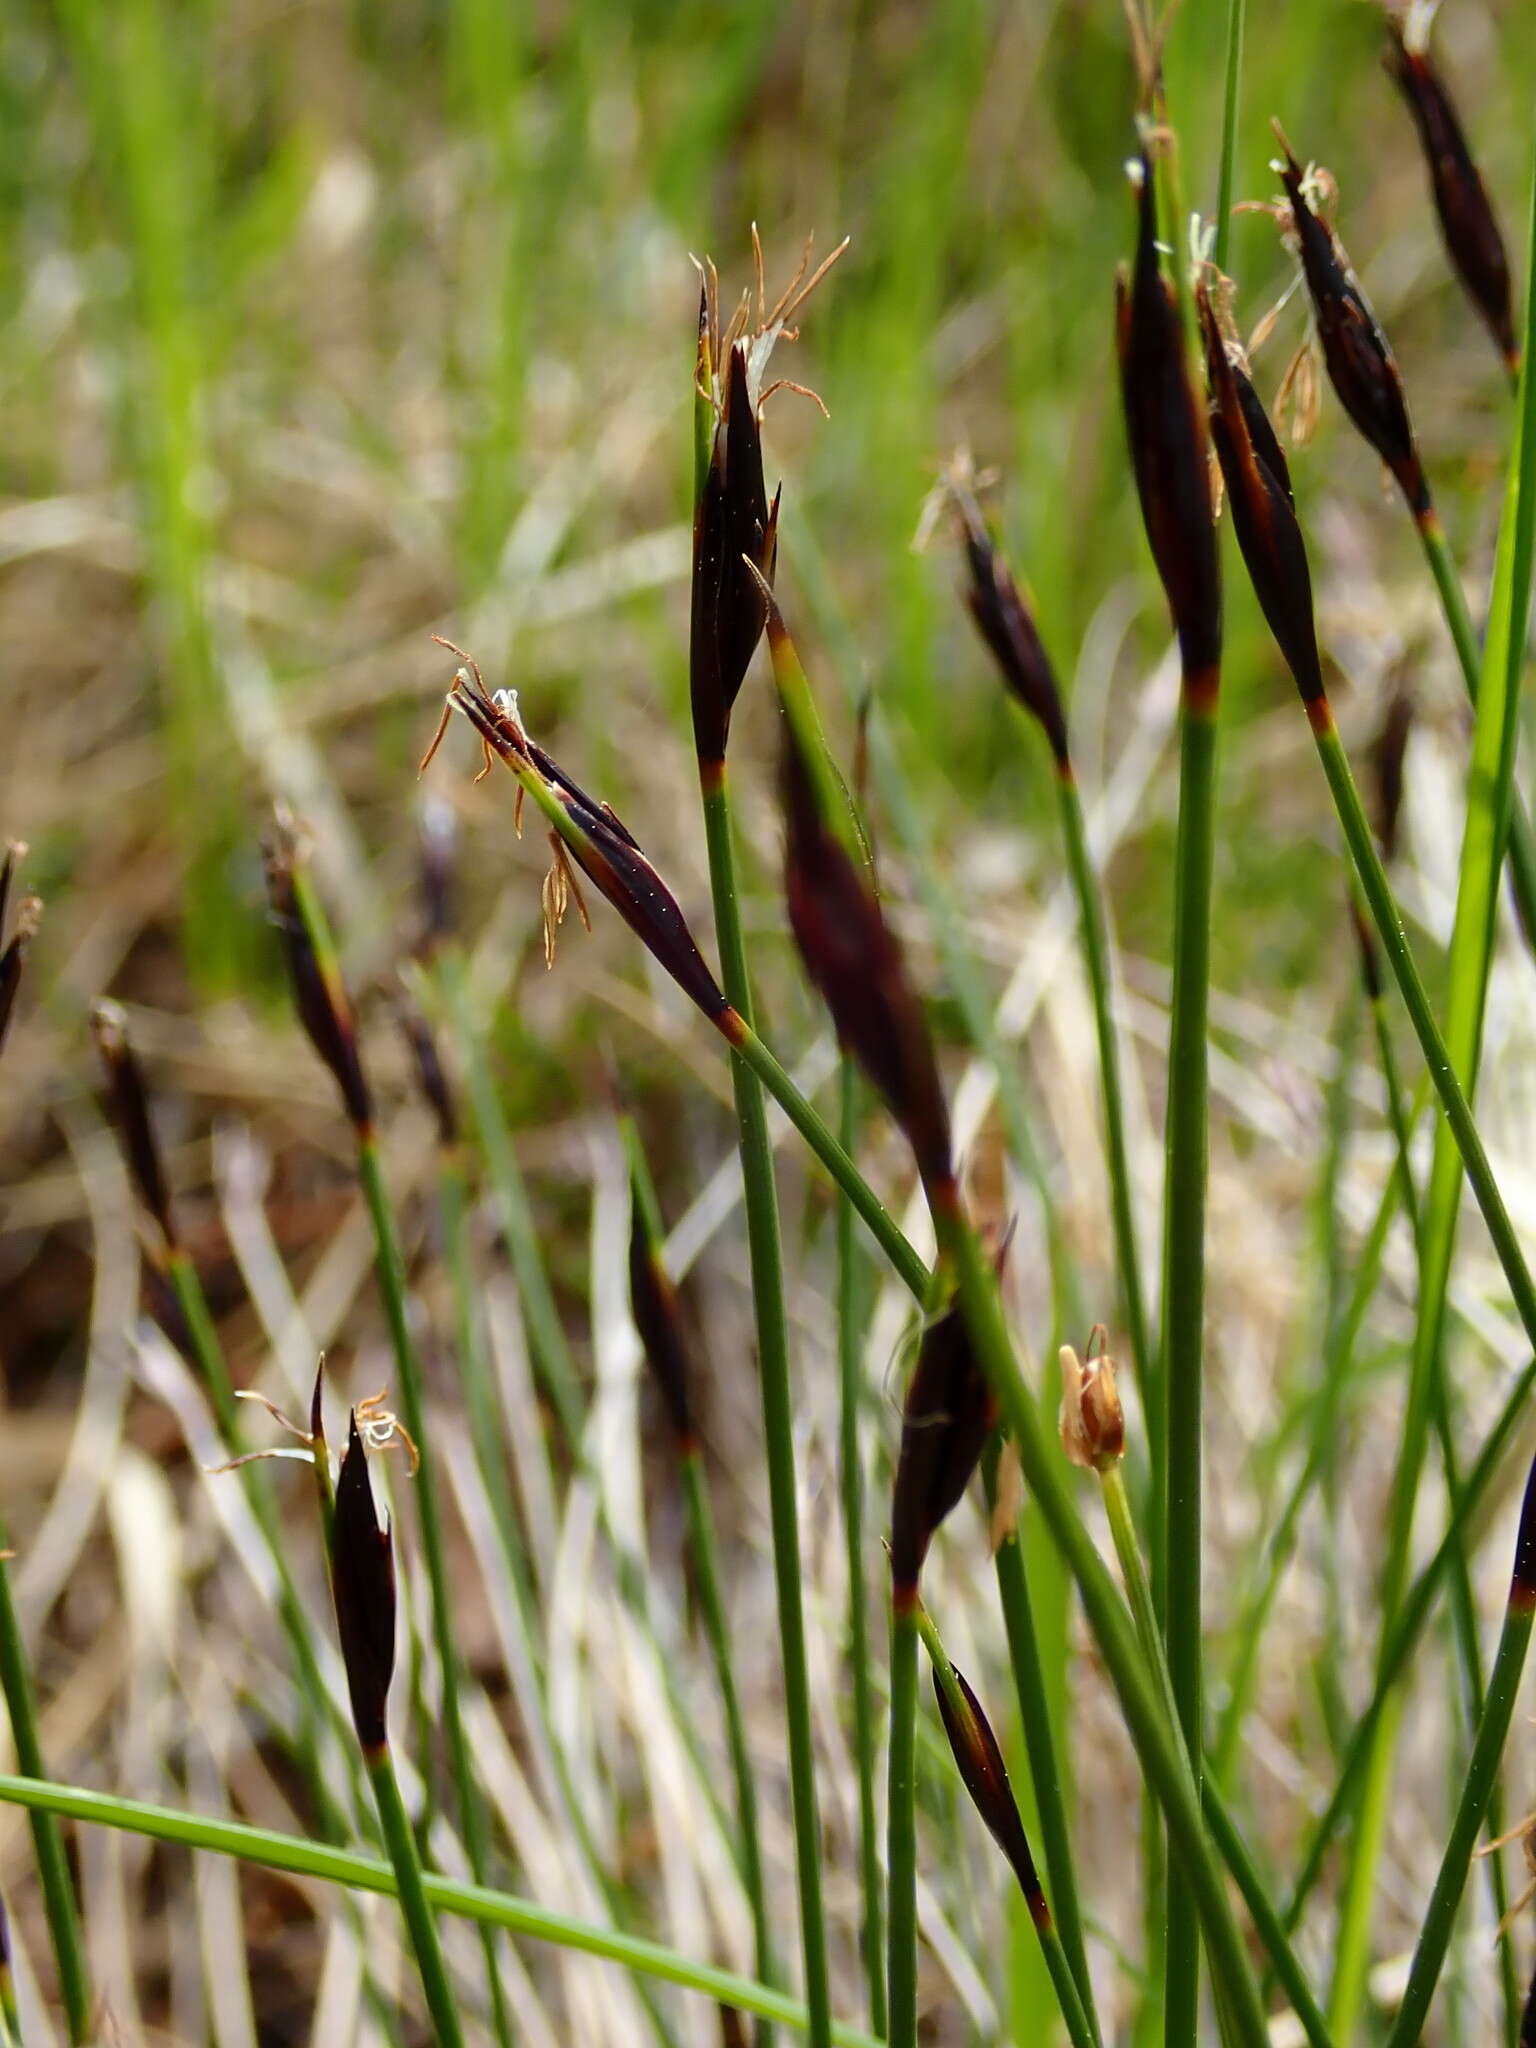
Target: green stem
(706, 1558)
(1163, 1758)
(1487, 1751)
(762, 1214)
(901, 1820)
(422, 1929)
(851, 1479)
(1040, 1748)
(304, 1858)
(1082, 2029)
(47, 1837)
(1231, 84)
(1184, 1302)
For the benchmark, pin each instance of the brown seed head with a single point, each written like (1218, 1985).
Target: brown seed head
(1092, 1421)
(985, 1777)
(1007, 625)
(857, 965)
(129, 1100)
(319, 994)
(1258, 487)
(1361, 366)
(427, 1061)
(1165, 429)
(13, 956)
(1467, 220)
(948, 1415)
(363, 1587)
(659, 1319)
(733, 523)
(437, 873)
(1388, 756)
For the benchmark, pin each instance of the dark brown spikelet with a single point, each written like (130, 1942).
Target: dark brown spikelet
(1522, 1587)
(319, 995)
(129, 1103)
(427, 1063)
(13, 956)
(946, 1419)
(1165, 429)
(1008, 627)
(363, 1587)
(1528, 2018)
(658, 1317)
(1388, 756)
(1361, 365)
(854, 960)
(733, 523)
(1258, 482)
(1467, 220)
(436, 874)
(603, 848)
(985, 1777)
(1370, 955)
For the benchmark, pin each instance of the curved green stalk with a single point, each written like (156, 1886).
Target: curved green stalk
(47, 1837)
(706, 1556)
(851, 1481)
(901, 1821)
(1231, 88)
(411, 1892)
(762, 1213)
(1040, 1748)
(304, 1858)
(1182, 1350)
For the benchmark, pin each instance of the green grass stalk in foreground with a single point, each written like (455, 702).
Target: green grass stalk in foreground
(363, 1588)
(980, 1763)
(901, 1821)
(1165, 430)
(850, 1389)
(1487, 1752)
(269, 1850)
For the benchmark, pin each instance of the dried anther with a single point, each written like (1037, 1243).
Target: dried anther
(591, 833)
(381, 1429)
(1092, 1422)
(1467, 220)
(363, 1589)
(1005, 621)
(1165, 430)
(1258, 488)
(1361, 366)
(985, 1776)
(947, 1417)
(319, 994)
(130, 1113)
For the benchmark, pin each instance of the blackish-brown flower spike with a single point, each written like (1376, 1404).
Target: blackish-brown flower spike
(1361, 365)
(1389, 754)
(319, 994)
(1165, 430)
(1467, 220)
(13, 957)
(363, 1587)
(437, 873)
(1258, 485)
(658, 1317)
(855, 961)
(733, 524)
(1007, 625)
(947, 1417)
(597, 840)
(129, 1100)
(427, 1061)
(985, 1777)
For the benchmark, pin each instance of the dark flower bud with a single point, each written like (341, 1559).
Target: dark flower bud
(1467, 221)
(437, 874)
(427, 1061)
(1522, 1585)
(1258, 483)
(595, 838)
(948, 1415)
(1165, 429)
(130, 1113)
(733, 524)
(854, 960)
(319, 994)
(1370, 955)
(1361, 366)
(658, 1317)
(1388, 756)
(1008, 627)
(13, 957)
(363, 1587)
(985, 1777)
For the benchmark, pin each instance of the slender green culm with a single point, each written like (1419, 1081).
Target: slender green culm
(270, 1850)
(901, 1822)
(1487, 1752)
(851, 1487)
(400, 1842)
